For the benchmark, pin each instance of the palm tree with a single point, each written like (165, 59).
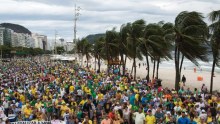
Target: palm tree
(190, 36)
(167, 36)
(136, 31)
(156, 43)
(123, 50)
(84, 48)
(214, 16)
(111, 45)
(79, 49)
(87, 49)
(98, 51)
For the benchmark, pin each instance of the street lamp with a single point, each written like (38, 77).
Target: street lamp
(55, 45)
(76, 17)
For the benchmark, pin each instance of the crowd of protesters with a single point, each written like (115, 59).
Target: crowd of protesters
(64, 92)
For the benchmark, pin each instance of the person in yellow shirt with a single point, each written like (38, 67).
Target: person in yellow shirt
(38, 105)
(27, 112)
(178, 102)
(209, 118)
(71, 89)
(64, 108)
(100, 96)
(22, 98)
(83, 101)
(33, 90)
(86, 120)
(87, 90)
(150, 119)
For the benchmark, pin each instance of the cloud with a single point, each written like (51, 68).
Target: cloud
(97, 16)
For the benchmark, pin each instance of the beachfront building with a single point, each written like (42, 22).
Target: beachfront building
(69, 46)
(40, 41)
(29, 41)
(5, 36)
(21, 40)
(18, 36)
(15, 39)
(2, 35)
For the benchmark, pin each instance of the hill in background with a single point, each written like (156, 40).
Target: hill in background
(16, 28)
(93, 37)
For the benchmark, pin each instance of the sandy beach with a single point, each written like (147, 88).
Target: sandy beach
(167, 75)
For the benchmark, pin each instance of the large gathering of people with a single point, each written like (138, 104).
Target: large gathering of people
(62, 92)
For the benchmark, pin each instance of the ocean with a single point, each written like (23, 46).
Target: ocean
(187, 64)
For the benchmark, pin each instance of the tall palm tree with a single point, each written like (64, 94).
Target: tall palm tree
(111, 45)
(167, 36)
(136, 31)
(123, 50)
(190, 36)
(84, 48)
(214, 16)
(156, 43)
(79, 50)
(98, 50)
(87, 49)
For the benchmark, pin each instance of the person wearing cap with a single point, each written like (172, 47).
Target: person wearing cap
(183, 119)
(168, 116)
(150, 119)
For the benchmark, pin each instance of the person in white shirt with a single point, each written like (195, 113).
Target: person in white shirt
(156, 101)
(3, 117)
(177, 108)
(79, 92)
(203, 115)
(126, 114)
(139, 117)
(56, 120)
(6, 106)
(201, 104)
(117, 107)
(125, 98)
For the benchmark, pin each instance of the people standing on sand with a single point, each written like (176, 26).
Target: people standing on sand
(183, 80)
(204, 89)
(194, 69)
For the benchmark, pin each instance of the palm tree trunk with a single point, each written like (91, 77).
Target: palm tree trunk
(212, 74)
(87, 60)
(108, 58)
(82, 61)
(135, 68)
(124, 65)
(154, 68)
(177, 79)
(95, 63)
(132, 68)
(121, 63)
(148, 68)
(158, 64)
(99, 63)
(181, 64)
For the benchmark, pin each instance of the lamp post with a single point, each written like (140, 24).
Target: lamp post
(76, 17)
(55, 45)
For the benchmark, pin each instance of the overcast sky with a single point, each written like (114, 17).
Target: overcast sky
(97, 16)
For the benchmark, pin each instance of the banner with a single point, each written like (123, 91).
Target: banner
(31, 122)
